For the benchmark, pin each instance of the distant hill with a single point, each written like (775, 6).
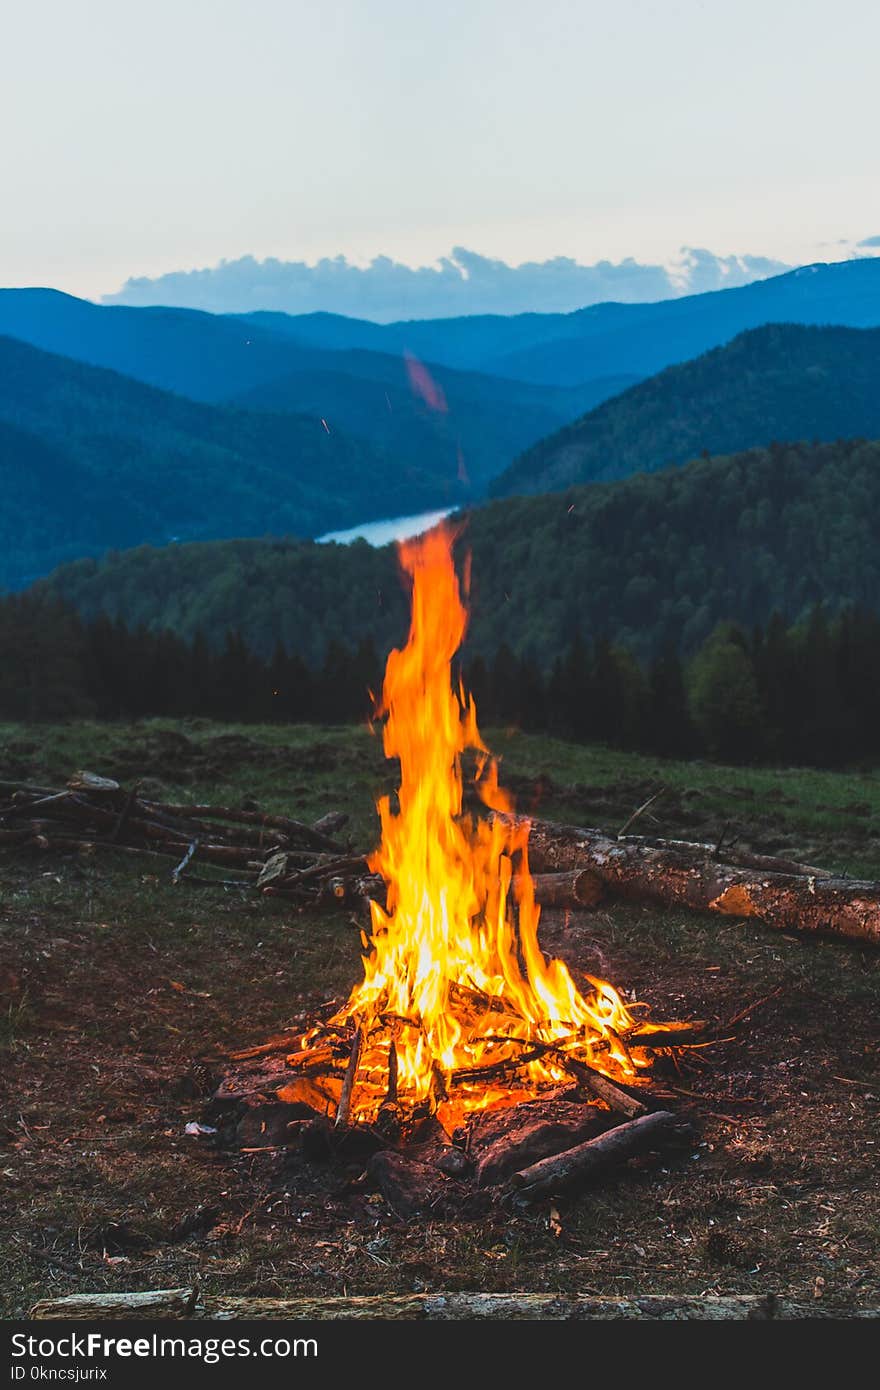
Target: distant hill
(90, 459)
(608, 339)
(781, 382)
(262, 362)
(655, 559)
(473, 427)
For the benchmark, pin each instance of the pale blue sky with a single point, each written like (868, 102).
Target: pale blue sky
(140, 138)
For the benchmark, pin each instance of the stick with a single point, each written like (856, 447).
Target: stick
(190, 854)
(603, 1088)
(126, 811)
(349, 1079)
(294, 827)
(638, 811)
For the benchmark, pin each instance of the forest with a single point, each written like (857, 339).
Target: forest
(780, 381)
(650, 563)
(801, 693)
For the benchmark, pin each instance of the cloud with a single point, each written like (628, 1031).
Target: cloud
(464, 282)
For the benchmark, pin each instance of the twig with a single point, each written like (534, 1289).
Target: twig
(759, 1003)
(348, 1080)
(638, 811)
(190, 854)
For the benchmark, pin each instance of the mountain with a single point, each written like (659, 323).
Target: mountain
(784, 381)
(213, 356)
(204, 356)
(90, 459)
(652, 560)
(608, 339)
(449, 421)
(264, 362)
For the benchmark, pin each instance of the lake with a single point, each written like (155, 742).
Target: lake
(395, 528)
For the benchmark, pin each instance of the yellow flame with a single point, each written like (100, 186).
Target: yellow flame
(454, 978)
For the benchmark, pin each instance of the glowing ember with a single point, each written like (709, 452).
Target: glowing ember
(458, 1008)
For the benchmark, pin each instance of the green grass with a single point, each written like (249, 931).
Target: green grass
(830, 817)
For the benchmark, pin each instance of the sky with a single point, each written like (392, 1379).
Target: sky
(141, 140)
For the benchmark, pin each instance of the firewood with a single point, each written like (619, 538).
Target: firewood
(532, 1132)
(439, 1306)
(330, 823)
(296, 828)
(682, 875)
(575, 1166)
(574, 888)
(91, 782)
(601, 1086)
(349, 1079)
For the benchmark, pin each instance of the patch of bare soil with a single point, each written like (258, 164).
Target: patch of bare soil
(122, 997)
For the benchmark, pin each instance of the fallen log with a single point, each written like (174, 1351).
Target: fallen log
(679, 874)
(573, 1167)
(441, 1307)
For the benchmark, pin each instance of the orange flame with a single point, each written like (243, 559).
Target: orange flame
(454, 979)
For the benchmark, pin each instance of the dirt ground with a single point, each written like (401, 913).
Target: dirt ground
(120, 996)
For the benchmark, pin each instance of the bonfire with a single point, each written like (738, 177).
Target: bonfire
(458, 1009)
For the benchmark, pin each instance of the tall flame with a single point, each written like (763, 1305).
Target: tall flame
(455, 982)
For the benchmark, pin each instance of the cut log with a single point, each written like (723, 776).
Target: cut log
(153, 1303)
(677, 874)
(442, 1307)
(574, 888)
(573, 1167)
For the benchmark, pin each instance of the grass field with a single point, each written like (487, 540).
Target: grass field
(120, 995)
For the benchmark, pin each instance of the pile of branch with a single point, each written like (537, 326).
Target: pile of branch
(262, 851)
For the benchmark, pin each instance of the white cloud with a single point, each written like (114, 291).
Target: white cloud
(464, 282)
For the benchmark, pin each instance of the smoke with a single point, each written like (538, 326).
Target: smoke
(464, 282)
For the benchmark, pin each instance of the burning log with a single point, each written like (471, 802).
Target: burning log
(680, 874)
(349, 1079)
(613, 1096)
(576, 1166)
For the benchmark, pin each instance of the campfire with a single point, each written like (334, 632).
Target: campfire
(458, 1009)
(459, 1012)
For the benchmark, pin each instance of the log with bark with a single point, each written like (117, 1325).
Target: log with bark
(576, 1166)
(677, 873)
(193, 1303)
